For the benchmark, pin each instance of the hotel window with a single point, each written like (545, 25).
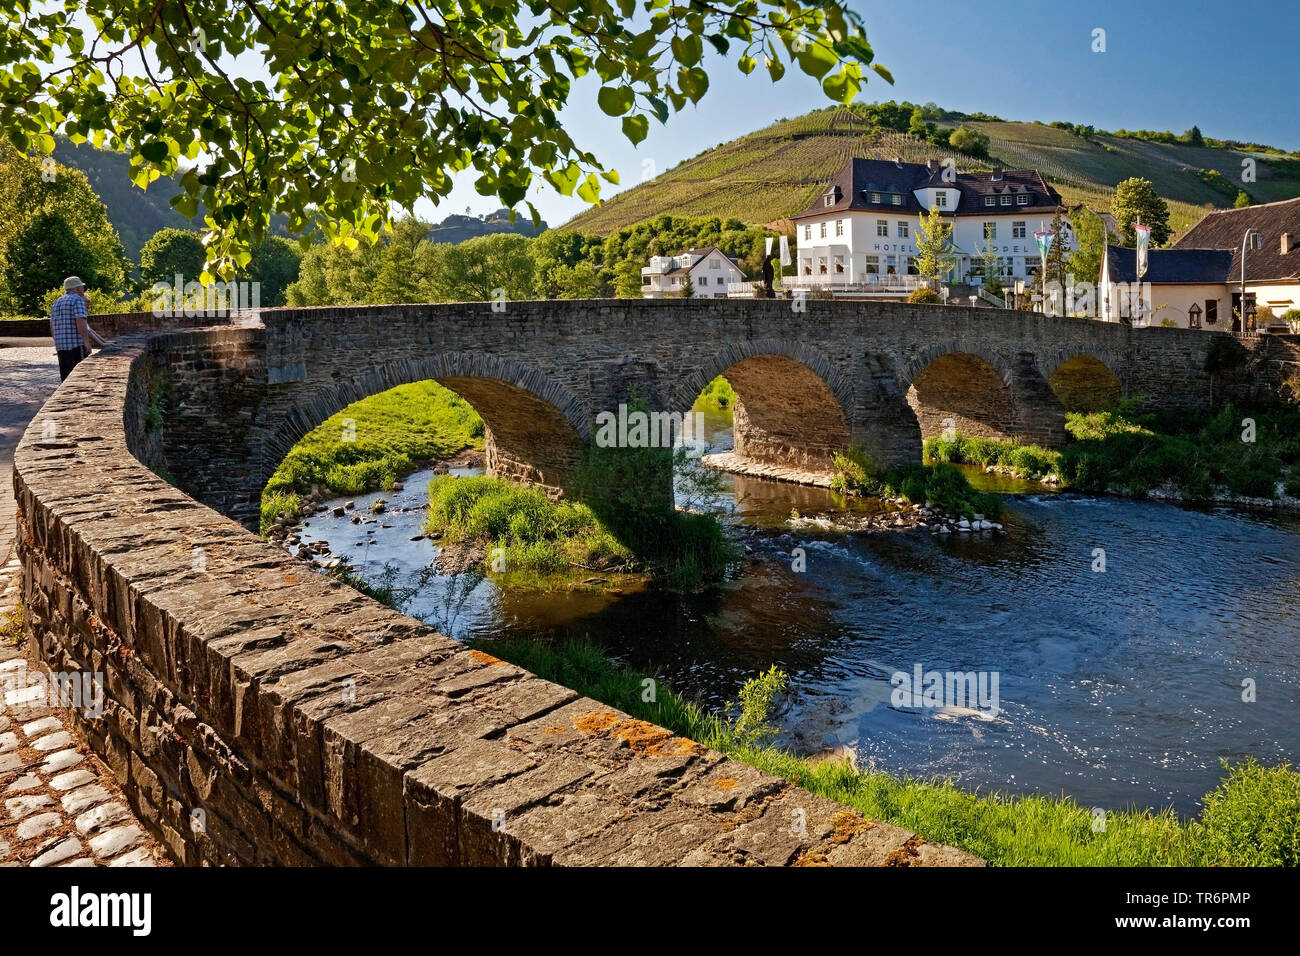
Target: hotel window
(1006, 199)
(829, 200)
(882, 227)
(990, 230)
(890, 267)
(807, 231)
(873, 265)
(807, 268)
(1211, 311)
(1017, 230)
(704, 280)
(912, 270)
(839, 265)
(822, 226)
(896, 199)
(875, 197)
(941, 199)
(821, 265)
(1022, 199)
(839, 227)
(990, 200)
(902, 230)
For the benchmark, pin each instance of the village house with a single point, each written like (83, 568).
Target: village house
(860, 234)
(710, 270)
(1197, 282)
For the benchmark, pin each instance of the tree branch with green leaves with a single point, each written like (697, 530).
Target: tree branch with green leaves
(371, 105)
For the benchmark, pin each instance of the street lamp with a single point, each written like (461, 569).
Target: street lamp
(1194, 316)
(1252, 239)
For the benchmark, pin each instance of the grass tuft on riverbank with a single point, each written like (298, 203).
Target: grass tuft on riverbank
(390, 434)
(943, 487)
(1251, 819)
(520, 529)
(1241, 452)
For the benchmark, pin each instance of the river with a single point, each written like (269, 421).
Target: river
(1120, 687)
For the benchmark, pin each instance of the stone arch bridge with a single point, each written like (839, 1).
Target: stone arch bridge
(311, 724)
(809, 383)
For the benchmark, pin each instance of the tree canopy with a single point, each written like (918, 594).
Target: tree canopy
(373, 104)
(1136, 197)
(29, 189)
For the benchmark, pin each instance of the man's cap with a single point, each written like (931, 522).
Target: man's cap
(72, 282)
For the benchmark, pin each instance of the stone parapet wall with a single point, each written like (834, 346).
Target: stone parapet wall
(112, 325)
(257, 712)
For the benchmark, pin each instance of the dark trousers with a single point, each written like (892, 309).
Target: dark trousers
(68, 359)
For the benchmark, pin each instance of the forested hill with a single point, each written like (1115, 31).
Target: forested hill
(778, 171)
(136, 213)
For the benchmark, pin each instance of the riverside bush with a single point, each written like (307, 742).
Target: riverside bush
(1123, 448)
(942, 485)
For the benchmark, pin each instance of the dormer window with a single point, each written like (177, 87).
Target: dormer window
(829, 200)
(1022, 199)
(1006, 199)
(990, 200)
(875, 197)
(896, 199)
(941, 198)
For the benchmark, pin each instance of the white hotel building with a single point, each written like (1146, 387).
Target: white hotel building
(860, 234)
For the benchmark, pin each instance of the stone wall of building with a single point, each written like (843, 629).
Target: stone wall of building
(257, 712)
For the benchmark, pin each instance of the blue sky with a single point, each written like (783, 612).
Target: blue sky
(1228, 68)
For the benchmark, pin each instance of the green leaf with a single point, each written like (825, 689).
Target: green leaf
(615, 100)
(844, 85)
(635, 128)
(816, 59)
(747, 64)
(693, 82)
(687, 49)
(155, 151)
(775, 68)
(590, 189)
(719, 43)
(660, 108)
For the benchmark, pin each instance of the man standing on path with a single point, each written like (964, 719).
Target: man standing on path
(72, 336)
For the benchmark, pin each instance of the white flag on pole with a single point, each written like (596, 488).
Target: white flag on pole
(785, 251)
(768, 252)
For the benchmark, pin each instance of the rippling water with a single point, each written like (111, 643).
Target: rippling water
(1122, 687)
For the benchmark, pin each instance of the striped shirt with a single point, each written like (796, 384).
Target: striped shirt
(63, 321)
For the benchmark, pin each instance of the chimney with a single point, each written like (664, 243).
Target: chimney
(997, 174)
(1286, 243)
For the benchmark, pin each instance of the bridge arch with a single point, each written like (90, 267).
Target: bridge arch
(792, 406)
(977, 391)
(534, 428)
(969, 390)
(1085, 380)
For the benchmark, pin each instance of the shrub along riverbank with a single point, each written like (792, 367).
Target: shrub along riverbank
(1251, 819)
(717, 396)
(390, 435)
(942, 487)
(1231, 451)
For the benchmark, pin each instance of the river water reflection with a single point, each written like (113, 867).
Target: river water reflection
(1119, 687)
